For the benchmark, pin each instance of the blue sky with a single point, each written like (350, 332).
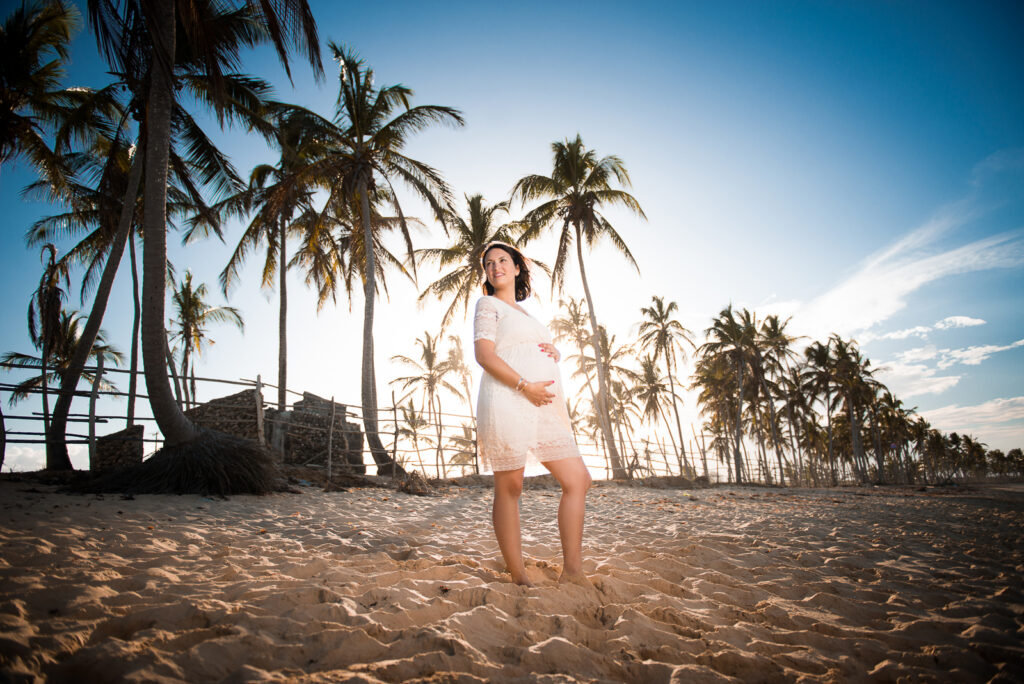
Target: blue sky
(857, 166)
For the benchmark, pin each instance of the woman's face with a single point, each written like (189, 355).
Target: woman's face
(500, 269)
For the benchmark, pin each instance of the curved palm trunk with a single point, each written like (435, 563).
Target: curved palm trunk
(133, 377)
(368, 393)
(282, 323)
(739, 421)
(174, 425)
(56, 442)
(440, 448)
(618, 472)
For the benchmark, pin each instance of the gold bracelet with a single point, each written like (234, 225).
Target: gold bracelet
(520, 385)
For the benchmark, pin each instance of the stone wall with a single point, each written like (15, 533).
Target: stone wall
(238, 414)
(301, 434)
(118, 450)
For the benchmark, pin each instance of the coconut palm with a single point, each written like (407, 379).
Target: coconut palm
(432, 375)
(44, 317)
(194, 314)
(851, 374)
(279, 194)
(412, 425)
(729, 342)
(141, 40)
(570, 199)
(66, 337)
(664, 336)
(469, 237)
(375, 124)
(34, 41)
(818, 383)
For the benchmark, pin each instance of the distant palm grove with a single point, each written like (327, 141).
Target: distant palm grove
(122, 163)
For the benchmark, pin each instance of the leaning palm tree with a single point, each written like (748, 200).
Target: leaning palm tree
(570, 199)
(432, 371)
(471, 235)
(194, 314)
(375, 124)
(664, 336)
(142, 39)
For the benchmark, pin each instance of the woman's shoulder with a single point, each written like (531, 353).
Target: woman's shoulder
(487, 303)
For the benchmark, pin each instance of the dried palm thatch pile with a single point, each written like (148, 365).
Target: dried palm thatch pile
(213, 464)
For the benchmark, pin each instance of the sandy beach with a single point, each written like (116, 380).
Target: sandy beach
(704, 585)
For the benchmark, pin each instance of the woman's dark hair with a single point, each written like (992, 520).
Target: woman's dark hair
(523, 289)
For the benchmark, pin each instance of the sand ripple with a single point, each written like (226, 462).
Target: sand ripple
(686, 586)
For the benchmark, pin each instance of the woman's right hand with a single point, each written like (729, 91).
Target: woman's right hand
(537, 392)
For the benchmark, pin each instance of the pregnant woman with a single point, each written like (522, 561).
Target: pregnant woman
(521, 413)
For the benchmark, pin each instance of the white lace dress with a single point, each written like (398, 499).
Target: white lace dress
(510, 429)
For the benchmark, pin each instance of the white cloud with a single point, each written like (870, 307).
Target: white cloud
(19, 458)
(915, 379)
(973, 356)
(997, 422)
(958, 322)
(922, 330)
(918, 354)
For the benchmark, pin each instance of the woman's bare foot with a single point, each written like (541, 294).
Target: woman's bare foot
(522, 580)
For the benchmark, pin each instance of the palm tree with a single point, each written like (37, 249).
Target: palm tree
(193, 315)
(471, 235)
(650, 392)
(279, 193)
(818, 382)
(34, 41)
(852, 371)
(368, 153)
(141, 40)
(412, 425)
(730, 340)
(66, 338)
(579, 185)
(432, 370)
(44, 317)
(457, 365)
(664, 337)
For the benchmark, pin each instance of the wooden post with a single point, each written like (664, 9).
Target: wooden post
(259, 410)
(92, 412)
(330, 440)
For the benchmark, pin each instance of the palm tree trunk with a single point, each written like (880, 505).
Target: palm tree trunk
(368, 393)
(739, 420)
(828, 427)
(440, 448)
(776, 442)
(174, 425)
(56, 442)
(603, 417)
(3, 438)
(675, 409)
(282, 321)
(173, 368)
(133, 377)
(855, 443)
(43, 386)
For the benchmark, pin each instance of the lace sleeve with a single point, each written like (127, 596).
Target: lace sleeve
(485, 321)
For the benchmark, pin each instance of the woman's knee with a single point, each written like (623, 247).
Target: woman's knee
(576, 481)
(508, 486)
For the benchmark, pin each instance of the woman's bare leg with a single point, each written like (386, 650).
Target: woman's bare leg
(508, 486)
(575, 480)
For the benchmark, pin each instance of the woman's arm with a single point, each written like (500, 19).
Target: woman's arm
(536, 391)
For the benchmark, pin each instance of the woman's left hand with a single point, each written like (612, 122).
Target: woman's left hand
(550, 350)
